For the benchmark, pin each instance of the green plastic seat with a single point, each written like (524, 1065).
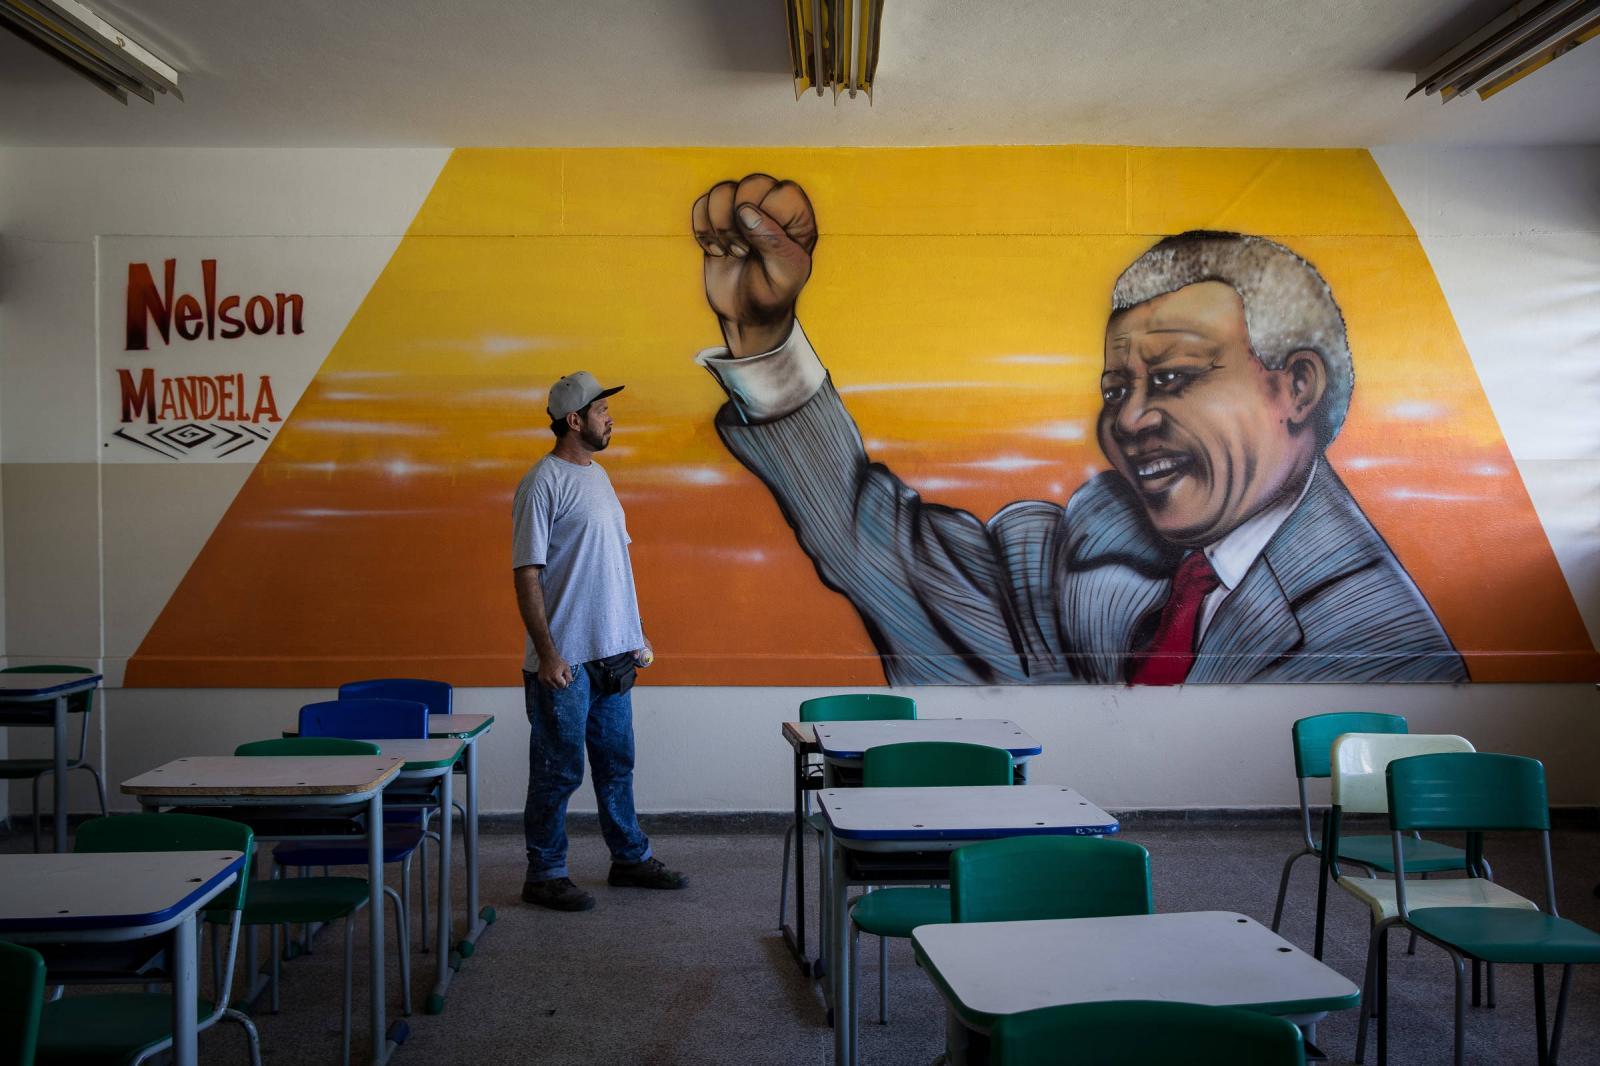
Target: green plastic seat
(1312, 740)
(1121, 1032)
(125, 1027)
(840, 707)
(22, 990)
(35, 769)
(894, 912)
(1475, 793)
(1031, 878)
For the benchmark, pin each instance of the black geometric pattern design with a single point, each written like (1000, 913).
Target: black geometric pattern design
(185, 439)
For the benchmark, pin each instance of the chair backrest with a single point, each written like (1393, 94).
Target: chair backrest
(308, 746)
(1025, 878)
(365, 718)
(1361, 762)
(438, 695)
(22, 991)
(171, 832)
(1314, 736)
(1471, 791)
(934, 763)
(1124, 1031)
(858, 707)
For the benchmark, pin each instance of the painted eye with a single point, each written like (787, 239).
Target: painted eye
(1168, 380)
(1114, 393)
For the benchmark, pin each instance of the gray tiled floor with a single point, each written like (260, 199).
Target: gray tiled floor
(701, 976)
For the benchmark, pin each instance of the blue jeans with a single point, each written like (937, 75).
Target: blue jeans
(564, 722)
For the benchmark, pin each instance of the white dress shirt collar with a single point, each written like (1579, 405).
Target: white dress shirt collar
(1233, 555)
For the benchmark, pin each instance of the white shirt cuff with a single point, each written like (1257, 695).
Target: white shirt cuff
(770, 385)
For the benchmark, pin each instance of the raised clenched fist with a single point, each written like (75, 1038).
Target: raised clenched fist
(757, 235)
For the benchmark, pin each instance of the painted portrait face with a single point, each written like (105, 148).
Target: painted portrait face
(1204, 433)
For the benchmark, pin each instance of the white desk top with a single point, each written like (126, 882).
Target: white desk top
(40, 894)
(465, 726)
(277, 775)
(986, 969)
(38, 686)
(981, 812)
(848, 740)
(433, 753)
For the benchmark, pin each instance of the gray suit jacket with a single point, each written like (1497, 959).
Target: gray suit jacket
(1046, 594)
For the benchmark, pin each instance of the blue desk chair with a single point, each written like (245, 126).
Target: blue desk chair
(36, 769)
(370, 719)
(439, 697)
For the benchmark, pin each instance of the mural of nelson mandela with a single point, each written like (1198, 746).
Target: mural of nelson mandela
(1220, 547)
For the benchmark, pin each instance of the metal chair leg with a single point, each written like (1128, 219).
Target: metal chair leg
(275, 934)
(883, 980)
(99, 785)
(36, 811)
(422, 871)
(1382, 981)
(1460, 1006)
(402, 922)
(1538, 1013)
(1488, 969)
(1369, 995)
(250, 1034)
(349, 966)
(783, 885)
(1561, 1011)
(1477, 983)
(1283, 886)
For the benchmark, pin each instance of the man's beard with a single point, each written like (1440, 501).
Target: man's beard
(595, 441)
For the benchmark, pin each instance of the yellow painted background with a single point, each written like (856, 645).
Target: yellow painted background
(959, 298)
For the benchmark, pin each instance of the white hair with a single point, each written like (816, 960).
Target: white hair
(1288, 307)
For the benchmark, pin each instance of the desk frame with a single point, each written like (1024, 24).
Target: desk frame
(56, 694)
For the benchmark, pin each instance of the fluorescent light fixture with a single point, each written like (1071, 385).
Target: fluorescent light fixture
(835, 43)
(90, 45)
(1520, 41)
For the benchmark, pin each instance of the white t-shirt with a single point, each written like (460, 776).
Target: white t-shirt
(566, 520)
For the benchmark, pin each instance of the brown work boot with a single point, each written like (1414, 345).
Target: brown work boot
(557, 893)
(647, 874)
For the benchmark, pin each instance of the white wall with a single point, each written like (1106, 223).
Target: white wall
(1514, 237)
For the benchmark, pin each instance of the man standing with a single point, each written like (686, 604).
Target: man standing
(1221, 546)
(575, 591)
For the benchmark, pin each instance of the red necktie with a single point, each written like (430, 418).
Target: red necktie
(1166, 660)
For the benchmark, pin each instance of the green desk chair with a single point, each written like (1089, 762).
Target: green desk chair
(1020, 879)
(36, 769)
(315, 901)
(22, 986)
(129, 1027)
(1313, 739)
(843, 707)
(1358, 763)
(894, 912)
(1119, 1032)
(1475, 793)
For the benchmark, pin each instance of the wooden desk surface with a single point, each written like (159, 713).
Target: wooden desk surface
(465, 726)
(280, 775)
(430, 754)
(849, 740)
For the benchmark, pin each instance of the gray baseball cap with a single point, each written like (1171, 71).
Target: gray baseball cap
(575, 392)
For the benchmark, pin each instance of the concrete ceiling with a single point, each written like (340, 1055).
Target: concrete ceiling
(355, 73)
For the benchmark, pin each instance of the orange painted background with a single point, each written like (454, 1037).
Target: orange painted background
(959, 299)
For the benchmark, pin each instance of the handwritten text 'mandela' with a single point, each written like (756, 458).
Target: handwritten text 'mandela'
(223, 397)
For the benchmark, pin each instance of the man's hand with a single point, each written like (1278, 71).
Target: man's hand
(554, 671)
(644, 656)
(758, 235)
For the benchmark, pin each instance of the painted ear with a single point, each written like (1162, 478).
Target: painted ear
(1308, 383)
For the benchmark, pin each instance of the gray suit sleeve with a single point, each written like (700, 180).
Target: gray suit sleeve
(946, 599)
